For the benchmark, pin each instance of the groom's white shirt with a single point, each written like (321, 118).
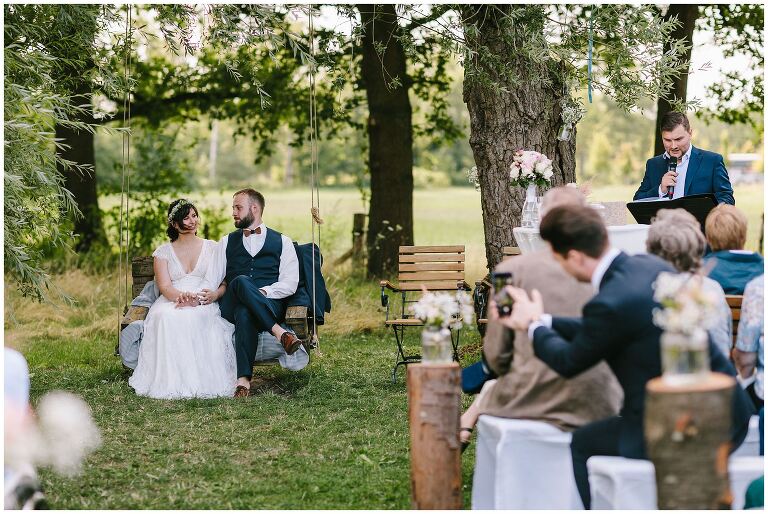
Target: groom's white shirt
(288, 279)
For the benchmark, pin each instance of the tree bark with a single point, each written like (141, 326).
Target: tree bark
(687, 433)
(390, 139)
(524, 116)
(686, 14)
(88, 228)
(434, 409)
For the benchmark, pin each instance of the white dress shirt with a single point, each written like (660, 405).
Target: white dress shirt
(288, 279)
(682, 170)
(597, 276)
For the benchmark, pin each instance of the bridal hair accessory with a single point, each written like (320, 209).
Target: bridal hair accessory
(176, 208)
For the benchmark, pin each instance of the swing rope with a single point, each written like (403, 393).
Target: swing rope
(125, 186)
(315, 170)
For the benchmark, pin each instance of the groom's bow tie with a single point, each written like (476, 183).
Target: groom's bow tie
(249, 231)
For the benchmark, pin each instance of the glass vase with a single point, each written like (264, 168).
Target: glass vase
(565, 132)
(530, 215)
(684, 357)
(436, 347)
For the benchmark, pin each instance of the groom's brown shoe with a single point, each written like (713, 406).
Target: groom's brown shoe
(241, 392)
(290, 342)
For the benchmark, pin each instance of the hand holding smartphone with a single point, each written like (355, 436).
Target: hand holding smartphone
(504, 302)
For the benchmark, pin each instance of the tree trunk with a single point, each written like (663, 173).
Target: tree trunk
(390, 138)
(525, 116)
(686, 14)
(88, 228)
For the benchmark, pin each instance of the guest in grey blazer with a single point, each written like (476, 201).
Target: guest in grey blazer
(527, 388)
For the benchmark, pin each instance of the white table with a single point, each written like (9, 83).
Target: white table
(523, 464)
(629, 238)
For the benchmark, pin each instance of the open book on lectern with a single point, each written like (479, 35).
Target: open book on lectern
(698, 205)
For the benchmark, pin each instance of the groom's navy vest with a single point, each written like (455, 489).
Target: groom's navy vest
(263, 268)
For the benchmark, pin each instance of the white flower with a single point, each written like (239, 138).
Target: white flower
(530, 167)
(687, 308)
(443, 310)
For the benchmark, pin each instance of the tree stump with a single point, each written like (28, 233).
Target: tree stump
(434, 409)
(687, 434)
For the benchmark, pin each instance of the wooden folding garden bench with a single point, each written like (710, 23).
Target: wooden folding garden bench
(435, 268)
(483, 289)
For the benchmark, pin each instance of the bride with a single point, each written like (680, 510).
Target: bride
(186, 350)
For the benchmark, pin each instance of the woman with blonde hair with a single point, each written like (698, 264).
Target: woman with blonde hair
(675, 236)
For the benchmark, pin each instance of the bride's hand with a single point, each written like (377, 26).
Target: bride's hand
(187, 299)
(206, 296)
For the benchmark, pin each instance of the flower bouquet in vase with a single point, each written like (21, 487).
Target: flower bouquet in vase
(529, 169)
(440, 312)
(686, 314)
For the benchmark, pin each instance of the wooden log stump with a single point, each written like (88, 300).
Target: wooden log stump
(687, 434)
(434, 409)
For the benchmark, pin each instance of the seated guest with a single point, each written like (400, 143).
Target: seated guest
(726, 231)
(616, 325)
(748, 353)
(527, 388)
(675, 236)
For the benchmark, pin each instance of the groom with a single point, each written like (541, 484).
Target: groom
(261, 269)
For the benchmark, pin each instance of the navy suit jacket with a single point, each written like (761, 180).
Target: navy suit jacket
(706, 174)
(617, 326)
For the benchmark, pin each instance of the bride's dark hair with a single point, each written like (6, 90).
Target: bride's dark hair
(177, 211)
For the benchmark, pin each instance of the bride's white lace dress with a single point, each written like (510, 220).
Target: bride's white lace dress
(185, 352)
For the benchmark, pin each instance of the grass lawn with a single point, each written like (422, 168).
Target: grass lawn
(334, 435)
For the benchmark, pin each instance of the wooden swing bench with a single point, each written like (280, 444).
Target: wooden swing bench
(298, 318)
(434, 268)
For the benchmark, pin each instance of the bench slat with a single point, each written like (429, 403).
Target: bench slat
(433, 257)
(433, 266)
(432, 249)
(409, 322)
(437, 285)
(426, 275)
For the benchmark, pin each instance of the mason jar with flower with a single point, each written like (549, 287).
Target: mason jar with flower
(687, 312)
(441, 312)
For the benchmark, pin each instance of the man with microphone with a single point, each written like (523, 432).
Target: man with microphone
(683, 170)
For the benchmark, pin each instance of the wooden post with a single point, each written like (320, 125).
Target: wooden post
(358, 238)
(687, 434)
(434, 408)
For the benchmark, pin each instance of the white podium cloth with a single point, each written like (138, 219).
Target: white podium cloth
(523, 464)
(617, 483)
(628, 238)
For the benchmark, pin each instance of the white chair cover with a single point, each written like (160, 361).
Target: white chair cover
(523, 464)
(617, 483)
(751, 445)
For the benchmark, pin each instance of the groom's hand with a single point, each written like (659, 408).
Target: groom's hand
(206, 296)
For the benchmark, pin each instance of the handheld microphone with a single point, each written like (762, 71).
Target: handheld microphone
(671, 166)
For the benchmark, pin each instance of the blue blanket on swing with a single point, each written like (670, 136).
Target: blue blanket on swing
(303, 295)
